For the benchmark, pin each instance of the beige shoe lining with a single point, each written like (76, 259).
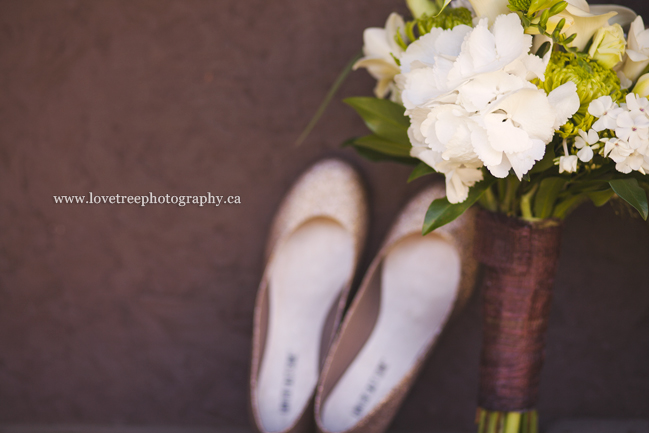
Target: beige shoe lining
(418, 284)
(305, 278)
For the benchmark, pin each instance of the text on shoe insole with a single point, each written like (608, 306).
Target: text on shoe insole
(289, 378)
(370, 388)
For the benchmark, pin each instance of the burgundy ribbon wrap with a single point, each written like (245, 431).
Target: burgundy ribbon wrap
(520, 261)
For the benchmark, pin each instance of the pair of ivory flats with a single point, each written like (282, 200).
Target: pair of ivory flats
(309, 371)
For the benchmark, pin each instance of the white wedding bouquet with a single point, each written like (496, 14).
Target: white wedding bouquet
(528, 108)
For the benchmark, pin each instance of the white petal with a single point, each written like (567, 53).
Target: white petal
(481, 47)
(456, 191)
(511, 42)
(501, 170)
(592, 137)
(422, 50)
(535, 66)
(524, 161)
(624, 120)
(487, 154)
(600, 106)
(449, 43)
(637, 56)
(393, 25)
(568, 164)
(504, 136)
(375, 43)
(624, 17)
(421, 86)
(531, 110)
(585, 154)
(637, 27)
(478, 92)
(425, 155)
(565, 101)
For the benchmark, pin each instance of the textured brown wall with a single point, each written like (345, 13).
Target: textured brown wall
(123, 314)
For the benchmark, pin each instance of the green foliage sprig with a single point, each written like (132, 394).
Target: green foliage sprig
(536, 14)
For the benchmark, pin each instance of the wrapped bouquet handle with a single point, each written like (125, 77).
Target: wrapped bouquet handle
(520, 260)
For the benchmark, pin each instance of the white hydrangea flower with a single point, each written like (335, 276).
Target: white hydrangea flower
(442, 60)
(471, 104)
(379, 47)
(426, 63)
(586, 142)
(517, 128)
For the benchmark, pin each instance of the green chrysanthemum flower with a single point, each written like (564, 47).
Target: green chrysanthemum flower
(592, 80)
(448, 19)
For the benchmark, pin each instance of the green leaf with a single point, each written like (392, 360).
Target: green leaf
(629, 191)
(379, 144)
(588, 186)
(600, 198)
(441, 212)
(549, 190)
(375, 156)
(441, 9)
(383, 117)
(563, 208)
(543, 49)
(422, 169)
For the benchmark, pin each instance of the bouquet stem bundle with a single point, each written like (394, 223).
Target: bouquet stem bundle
(507, 422)
(520, 260)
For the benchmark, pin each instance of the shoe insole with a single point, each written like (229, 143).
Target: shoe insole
(305, 279)
(419, 282)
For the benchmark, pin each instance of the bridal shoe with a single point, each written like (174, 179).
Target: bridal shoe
(410, 290)
(313, 248)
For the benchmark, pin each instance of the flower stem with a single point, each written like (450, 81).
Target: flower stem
(507, 422)
(488, 200)
(526, 204)
(508, 203)
(327, 99)
(512, 422)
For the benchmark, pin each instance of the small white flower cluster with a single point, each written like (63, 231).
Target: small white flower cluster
(472, 105)
(628, 122)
